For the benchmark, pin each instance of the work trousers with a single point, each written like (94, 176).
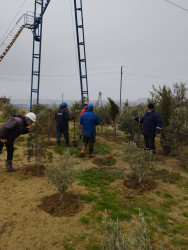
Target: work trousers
(150, 143)
(91, 141)
(65, 134)
(10, 150)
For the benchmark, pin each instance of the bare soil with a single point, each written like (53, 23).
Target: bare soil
(33, 215)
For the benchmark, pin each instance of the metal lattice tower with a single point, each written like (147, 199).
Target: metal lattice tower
(81, 50)
(37, 41)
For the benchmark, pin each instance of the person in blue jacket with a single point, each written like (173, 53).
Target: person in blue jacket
(89, 121)
(152, 124)
(62, 118)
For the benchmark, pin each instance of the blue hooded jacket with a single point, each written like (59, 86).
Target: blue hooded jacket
(152, 123)
(89, 120)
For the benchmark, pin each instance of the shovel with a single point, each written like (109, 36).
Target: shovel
(74, 143)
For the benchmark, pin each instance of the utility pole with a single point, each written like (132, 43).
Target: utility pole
(121, 85)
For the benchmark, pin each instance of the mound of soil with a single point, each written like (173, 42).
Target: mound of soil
(104, 161)
(140, 187)
(34, 171)
(70, 204)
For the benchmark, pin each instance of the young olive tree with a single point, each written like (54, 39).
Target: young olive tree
(116, 240)
(140, 161)
(114, 112)
(36, 144)
(176, 134)
(167, 100)
(47, 121)
(103, 113)
(127, 124)
(61, 175)
(9, 110)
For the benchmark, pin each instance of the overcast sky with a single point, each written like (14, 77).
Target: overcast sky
(149, 38)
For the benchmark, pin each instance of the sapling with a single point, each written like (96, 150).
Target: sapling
(61, 175)
(140, 161)
(116, 240)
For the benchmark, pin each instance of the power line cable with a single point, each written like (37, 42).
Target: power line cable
(176, 5)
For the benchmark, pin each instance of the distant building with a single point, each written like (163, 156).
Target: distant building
(3, 101)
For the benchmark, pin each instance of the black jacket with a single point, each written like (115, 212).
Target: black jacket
(14, 127)
(152, 123)
(62, 117)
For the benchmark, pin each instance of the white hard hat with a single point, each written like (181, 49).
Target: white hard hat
(31, 116)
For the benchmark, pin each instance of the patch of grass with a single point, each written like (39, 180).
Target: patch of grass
(179, 242)
(70, 242)
(74, 151)
(158, 193)
(185, 214)
(116, 154)
(183, 184)
(167, 176)
(93, 244)
(182, 229)
(96, 177)
(110, 201)
(23, 178)
(101, 148)
(67, 247)
(85, 220)
(159, 218)
(167, 195)
(16, 155)
(108, 130)
(169, 201)
(88, 197)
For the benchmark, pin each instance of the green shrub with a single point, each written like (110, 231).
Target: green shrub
(116, 240)
(140, 161)
(61, 175)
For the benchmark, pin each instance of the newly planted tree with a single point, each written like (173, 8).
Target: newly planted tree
(61, 175)
(114, 112)
(103, 113)
(116, 240)
(127, 124)
(140, 161)
(167, 100)
(36, 143)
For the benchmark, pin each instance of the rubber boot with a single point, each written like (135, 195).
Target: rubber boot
(9, 166)
(83, 149)
(68, 143)
(90, 155)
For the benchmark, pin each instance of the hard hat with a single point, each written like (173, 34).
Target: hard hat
(31, 116)
(90, 105)
(64, 104)
(86, 103)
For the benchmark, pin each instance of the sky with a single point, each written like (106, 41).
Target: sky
(149, 38)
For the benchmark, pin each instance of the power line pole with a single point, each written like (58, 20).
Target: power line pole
(121, 85)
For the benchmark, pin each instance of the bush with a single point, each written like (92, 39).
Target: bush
(116, 240)
(9, 110)
(61, 175)
(127, 124)
(140, 161)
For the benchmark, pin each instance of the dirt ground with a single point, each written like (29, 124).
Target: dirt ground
(28, 221)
